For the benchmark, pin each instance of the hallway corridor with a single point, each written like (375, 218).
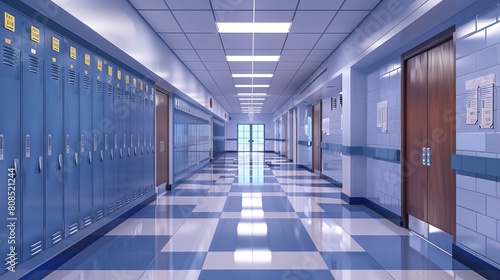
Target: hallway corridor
(256, 216)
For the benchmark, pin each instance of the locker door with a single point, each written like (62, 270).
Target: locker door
(71, 138)
(127, 144)
(118, 142)
(109, 138)
(151, 122)
(98, 126)
(32, 138)
(53, 139)
(141, 132)
(85, 138)
(135, 137)
(10, 133)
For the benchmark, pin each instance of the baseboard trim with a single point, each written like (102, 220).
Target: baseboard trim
(396, 219)
(478, 265)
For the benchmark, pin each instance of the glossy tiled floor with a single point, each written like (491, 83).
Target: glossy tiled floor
(258, 217)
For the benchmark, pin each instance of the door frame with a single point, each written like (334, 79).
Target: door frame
(446, 35)
(251, 137)
(164, 165)
(319, 123)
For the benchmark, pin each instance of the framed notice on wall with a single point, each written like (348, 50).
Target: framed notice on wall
(486, 96)
(480, 106)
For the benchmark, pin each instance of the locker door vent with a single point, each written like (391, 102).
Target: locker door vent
(55, 72)
(36, 248)
(72, 77)
(127, 95)
(134, 196)
(127, 199)
(119, 93)
(110, 90)
(73, 228)
(134, 100)
(34, 64)
(9, 56)
(56, 237)
(119, 204)
(100, 214)
(86, 82)
(87, 221)
(99, 87)
(141, 191)
(111, 208)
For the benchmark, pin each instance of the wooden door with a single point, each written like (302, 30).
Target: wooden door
(429, 128)
(162, 129)
(316, 139)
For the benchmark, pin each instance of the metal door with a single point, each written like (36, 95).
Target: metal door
(250, 138)
(118, 140)
(141, 132)
(32, 138)
(135, 145)
(109, 138)
(127, 143)
(10, 133)
(98, 123)
(71, 138)
(54, 58)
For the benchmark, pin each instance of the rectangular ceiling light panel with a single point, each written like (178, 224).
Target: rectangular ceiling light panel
(253, 27)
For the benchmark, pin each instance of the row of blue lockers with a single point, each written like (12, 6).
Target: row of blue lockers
(76, 137)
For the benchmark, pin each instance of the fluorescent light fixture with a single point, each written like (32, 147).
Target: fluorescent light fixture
(253, 27)
(255, 58)
(252, 86)
(253, 75)
(248, 107)
(251, 94)
(250, 98)
(250, 104)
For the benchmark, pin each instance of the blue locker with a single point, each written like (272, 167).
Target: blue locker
(84, 61)
(109, 138)
(10, 133)
(147, 144)
(141, 183)
(32, 151)
(118, 111)
(135, 145)
(54, 57)
(71, 137)
(150, 127)
(127, 142)
(98, 127)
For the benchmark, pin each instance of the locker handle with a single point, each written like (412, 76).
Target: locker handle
(428, 152)
(90, 157)
(40, 164)
(142, 150)
(135, 151)
(128, 152)
(76, 159)
(16, 166)
(121, 153)
(60, 160)
(102, 155)
(112, 154)
(424, 156)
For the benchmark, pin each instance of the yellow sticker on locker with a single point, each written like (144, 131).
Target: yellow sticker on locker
(35, 34)
(119, 74)
(127, 79)
(147, 88)
(87, 59)
(72, 52)
(8, 41)
(134, 82)
(55, 44)
(141, 86)
(110, 71)
(9, 22)
(99, 65)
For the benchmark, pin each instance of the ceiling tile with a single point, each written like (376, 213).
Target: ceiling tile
(341, 27)
(205, 41)
(240, 67)
(322, 4)
(150, 4)
(249, 52)
(269, 41)
(310, 66)
(286, 65)
(231, 5)
(195, 65)
(176, 40)
(360, 5)
(265, 66)
(274, 16)
(237, 41)
(212, 55)
(196, 21)
(330, 41)
(301, 41)
(276, 5)
(319, 58)
(308, 27)
(187, 5)
(187, 55)
(233, 16)
(216, 66)
(350, 16)
(314, 16)
(161, 21)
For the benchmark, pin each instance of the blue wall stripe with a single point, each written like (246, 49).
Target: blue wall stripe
(305, 143)
(384, 154)
(487, 168)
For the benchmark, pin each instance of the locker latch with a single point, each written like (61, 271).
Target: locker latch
(60, 160)
(76, 159)
(102, 155)
(40, 164)
(90, 157)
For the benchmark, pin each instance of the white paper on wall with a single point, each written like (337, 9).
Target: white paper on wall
(382, 115)
(487, 106)
(471, 109)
